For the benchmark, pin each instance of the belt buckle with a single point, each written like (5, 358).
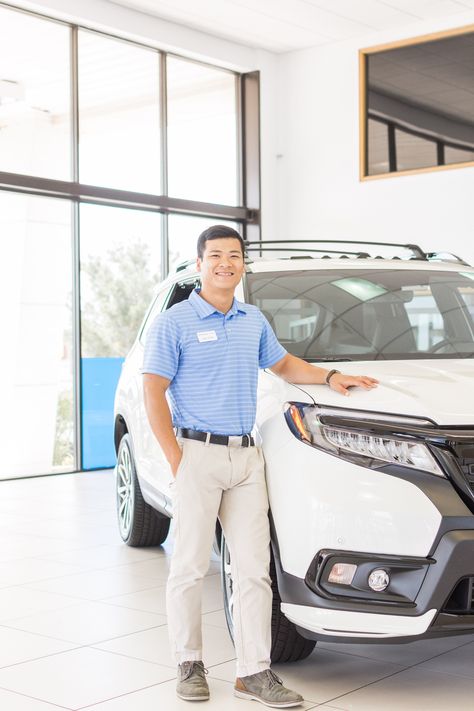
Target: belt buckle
(235, 440)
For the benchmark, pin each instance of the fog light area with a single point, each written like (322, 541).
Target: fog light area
(378, 580)
(342, 573)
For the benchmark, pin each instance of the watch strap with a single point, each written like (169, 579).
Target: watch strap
(330, 374)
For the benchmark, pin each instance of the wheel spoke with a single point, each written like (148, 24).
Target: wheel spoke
(122, 474)
(124, 490)
(126, 457)
(228, 583)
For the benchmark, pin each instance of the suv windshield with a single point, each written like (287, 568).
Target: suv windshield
(368, 314)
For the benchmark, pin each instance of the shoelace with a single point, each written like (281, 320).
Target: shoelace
(273, 678)
(189, 667)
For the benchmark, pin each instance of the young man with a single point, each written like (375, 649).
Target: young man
(206, 353)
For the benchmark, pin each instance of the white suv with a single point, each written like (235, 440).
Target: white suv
(371, 495)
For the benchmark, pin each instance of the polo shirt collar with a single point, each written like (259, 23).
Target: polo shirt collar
(204, 309)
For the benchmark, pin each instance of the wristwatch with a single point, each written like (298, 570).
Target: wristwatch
(330, 374)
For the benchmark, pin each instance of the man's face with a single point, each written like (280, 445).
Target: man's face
(222, 264)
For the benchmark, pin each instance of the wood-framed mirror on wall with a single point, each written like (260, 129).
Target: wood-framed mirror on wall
(417, 105)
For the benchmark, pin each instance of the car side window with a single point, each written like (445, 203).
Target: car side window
(181, 292)
(155, 308)
(164, 300)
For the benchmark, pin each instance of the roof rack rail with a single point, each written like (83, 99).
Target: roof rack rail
(343, 253)
(263, 246)
(445, 257)
(417, 252)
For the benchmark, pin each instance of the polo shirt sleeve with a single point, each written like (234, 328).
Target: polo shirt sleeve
(162, 348)
(271, 350)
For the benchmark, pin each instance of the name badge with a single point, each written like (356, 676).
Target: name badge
(204, 336)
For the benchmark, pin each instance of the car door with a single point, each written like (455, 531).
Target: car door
(155, 473)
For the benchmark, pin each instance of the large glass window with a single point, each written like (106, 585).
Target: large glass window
(202, 132)
(119, 127)
(184, 231)
(82, 127)
(35, 96)
(120, 267)
(36, 360)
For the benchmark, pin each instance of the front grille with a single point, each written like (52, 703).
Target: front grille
(464, 452)
(467, 466)
(461, 600)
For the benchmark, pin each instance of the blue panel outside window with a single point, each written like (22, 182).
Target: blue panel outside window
(99, 381)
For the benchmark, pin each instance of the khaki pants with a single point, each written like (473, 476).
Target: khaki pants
(229, 482)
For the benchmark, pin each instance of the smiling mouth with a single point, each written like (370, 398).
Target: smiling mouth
(224, 273)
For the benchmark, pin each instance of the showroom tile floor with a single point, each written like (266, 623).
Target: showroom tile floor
(83, 623)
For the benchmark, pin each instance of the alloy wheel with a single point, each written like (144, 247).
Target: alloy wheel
(227, 586)
(125, 491)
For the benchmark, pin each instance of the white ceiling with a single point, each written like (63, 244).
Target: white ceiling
(285, 25)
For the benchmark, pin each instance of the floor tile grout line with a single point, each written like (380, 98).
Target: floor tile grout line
(97, 649)
(93, 646)
(137, 609)
(364, 686)
(217, 664)
(103, 567)
(127, 607)
(119, 696)
(113, 566)
(91, 706)
(160, 664)
(67, 607)
(362, 656)
(69, 641)
(36, 698)
(121, 636)
(82, 572)
(131, 656)
(88, 599)
(43, 656)
(82, 601)
(38, 634)
(400, 671)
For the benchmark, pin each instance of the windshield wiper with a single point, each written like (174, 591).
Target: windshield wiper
(330, 359)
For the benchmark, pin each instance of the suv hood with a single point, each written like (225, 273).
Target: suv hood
(439, 390)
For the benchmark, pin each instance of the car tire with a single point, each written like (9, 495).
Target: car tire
(287, 643)
(139, 523)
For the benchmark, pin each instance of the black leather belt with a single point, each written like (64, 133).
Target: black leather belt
(245, 440)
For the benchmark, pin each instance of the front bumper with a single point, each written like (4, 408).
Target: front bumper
(342, 623)
(443, 604)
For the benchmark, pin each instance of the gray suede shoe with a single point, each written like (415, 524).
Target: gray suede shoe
(267, 688)
(192, 683)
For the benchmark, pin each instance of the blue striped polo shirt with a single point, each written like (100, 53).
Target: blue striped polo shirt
(212, 360)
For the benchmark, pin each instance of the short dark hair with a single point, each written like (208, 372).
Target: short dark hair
(217, 232)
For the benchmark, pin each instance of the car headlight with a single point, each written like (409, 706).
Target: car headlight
(364, 448)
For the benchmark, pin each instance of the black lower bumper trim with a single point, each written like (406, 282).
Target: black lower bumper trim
(452, 561)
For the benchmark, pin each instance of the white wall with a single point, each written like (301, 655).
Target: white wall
(319, 192)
